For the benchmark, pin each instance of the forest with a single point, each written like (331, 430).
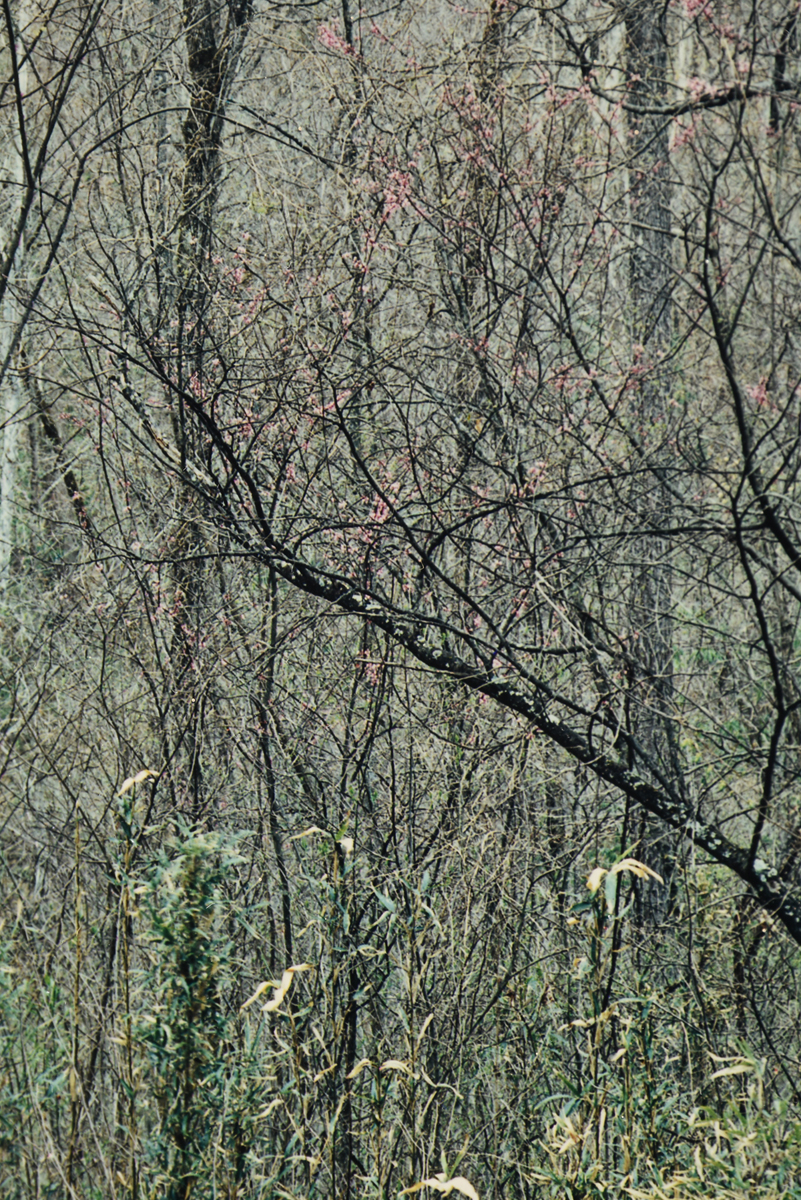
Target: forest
(400, 599)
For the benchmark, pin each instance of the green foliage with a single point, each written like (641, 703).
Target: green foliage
(630, 1129)
(186, 1030)
(15, 1097)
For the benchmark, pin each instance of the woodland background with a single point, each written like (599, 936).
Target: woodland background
(400, 571)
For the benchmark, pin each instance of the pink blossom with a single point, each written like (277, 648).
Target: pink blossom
(683, 135)
(759, 392)
(699, 88)
(396, 192)
(329, 36)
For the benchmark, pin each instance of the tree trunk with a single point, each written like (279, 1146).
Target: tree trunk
(650, 298)
(12, 402)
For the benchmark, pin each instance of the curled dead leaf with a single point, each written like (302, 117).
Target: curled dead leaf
(637, 868)
(138, 778)
(598, 874)
(394, 1064)
(594, 879)
(357, 1070)
(280, 989)
(440, 1184)
(283, 987)
(308, 832)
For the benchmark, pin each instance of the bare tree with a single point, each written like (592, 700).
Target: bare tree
(437, 514)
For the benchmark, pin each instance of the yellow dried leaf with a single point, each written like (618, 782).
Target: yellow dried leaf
(258, 992)
(460, 1184)
(738, 1069)
(394, 1064)
(423, 1028)
(347, 845)
(265, 1112)
(637, 868)
(308, 832)
(699, 1166)
(594, 879)
(357, 1070)
(281, 988)
(440, 1184)
(134, 779)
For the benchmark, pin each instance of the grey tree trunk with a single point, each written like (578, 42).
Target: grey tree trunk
(12, 400)
(651, 326)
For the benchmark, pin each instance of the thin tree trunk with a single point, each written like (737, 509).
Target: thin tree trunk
(651, 324)
(12, 401)
(213, 50)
